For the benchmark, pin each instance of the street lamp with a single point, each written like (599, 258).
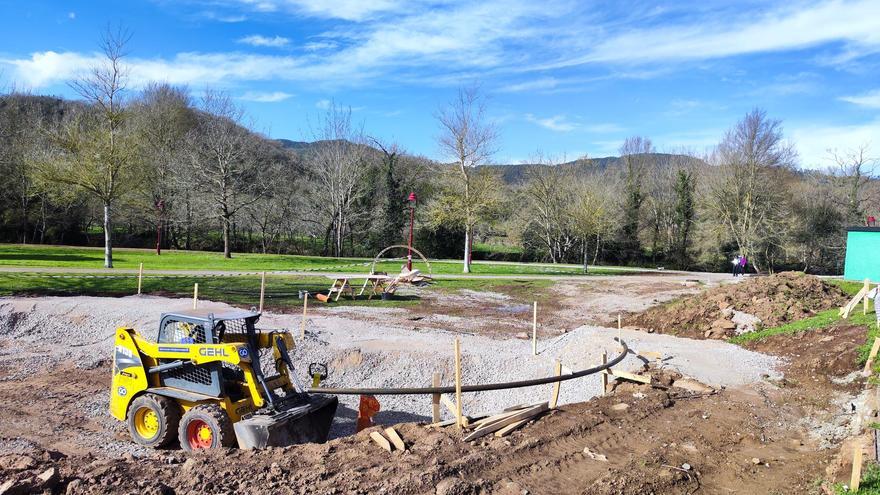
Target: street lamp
(412, 217)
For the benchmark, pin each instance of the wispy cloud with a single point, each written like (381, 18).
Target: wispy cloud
(536, 85)
(562, 123)
(350, 10)
(267, 97)
(315, 46)
(871, 99)
(259, 40)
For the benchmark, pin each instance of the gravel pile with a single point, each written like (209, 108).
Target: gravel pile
(39, 331)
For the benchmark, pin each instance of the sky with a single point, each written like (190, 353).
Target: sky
(563, 79)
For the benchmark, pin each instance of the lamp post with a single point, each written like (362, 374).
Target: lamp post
(412, 217)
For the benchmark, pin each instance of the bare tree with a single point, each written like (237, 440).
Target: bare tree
(589, 212)
(96, 151)
(549, 189)
(853, 169)
(747, 196)
(469, 140)
(225, 160)
(337, 163)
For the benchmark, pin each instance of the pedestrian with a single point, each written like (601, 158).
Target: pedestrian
(743, 261)
(735, 262)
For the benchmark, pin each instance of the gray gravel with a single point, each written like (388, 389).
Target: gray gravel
(40, 331)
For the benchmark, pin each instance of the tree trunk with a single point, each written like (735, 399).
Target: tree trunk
(467, 250)
(584, 254)
(108, 237)
(227, 252)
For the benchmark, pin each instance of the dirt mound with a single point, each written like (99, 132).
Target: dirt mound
(737, 308)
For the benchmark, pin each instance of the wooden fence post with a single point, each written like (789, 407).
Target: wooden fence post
(458, 384)
(435, 400)
(865, 300)
(302, 325)
(140, 277)
(262, 290)
(195, 295)
(535, 329)
(856, 477)
(555, 397)
(872, 355)
(603, 374)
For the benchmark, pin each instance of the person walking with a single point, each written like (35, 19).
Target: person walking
(735, 262)
(743, 262)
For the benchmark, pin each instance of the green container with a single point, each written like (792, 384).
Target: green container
(862, 254)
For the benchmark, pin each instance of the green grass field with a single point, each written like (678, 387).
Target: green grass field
(93, 258)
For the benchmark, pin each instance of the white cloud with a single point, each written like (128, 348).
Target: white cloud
(261, 97)
(350, 10)
(71, 15)
(814, 141)
(796, 26)
(536, 85)
(561, 123)
(322, 104)
(871, 99)
(558, 123)
(315, 46)
(258, 40)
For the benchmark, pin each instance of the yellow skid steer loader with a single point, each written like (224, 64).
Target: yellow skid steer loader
(202, 381)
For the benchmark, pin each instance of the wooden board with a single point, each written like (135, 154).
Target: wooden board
(503, 432)
(873, 355)
(380, 440)
(628, 376)
(395, 438)
(513, 418)
(554, 398)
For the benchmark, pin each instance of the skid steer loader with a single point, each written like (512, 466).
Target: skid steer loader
(202, 381)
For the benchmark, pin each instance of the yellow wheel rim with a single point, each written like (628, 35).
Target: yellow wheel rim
(146, 423)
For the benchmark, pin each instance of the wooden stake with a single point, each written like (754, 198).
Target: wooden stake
(302, 325)
(395, 439)
(140, 277)
(262, 290)
(535, 329)
(604, 376)
(856, 477)
(873, 355)
(380, 440)
(555, 397)
(865, 300)
(435, 400)
(195, 295)
(458, 384)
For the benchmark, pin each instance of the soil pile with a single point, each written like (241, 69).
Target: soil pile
(750, 305)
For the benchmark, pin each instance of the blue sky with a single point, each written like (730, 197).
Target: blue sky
(563, 78)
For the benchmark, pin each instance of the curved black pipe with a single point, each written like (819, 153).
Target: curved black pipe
(473, 388)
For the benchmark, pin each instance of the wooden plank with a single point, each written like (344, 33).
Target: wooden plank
(447, 402)
(604, 375)
(195, 295)
(856, 477)
(440, 424)
(867, 289)
(627, 376)
(395, 438)
(873, 355)
(497, 425)
(380, 440)
(845, 311)
(535, 329)
(503, 432)
(302, 325)
(435, 399)
(140, 277)
(522, 406)
(554, 398)
(458, 383)
(496, 417)
(650, 354)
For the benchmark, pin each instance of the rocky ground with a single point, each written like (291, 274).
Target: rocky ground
(769, 419)
(733, 309)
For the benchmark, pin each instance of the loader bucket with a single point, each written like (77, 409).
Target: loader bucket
(306, 423)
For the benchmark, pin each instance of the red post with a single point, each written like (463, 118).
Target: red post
(412, 218)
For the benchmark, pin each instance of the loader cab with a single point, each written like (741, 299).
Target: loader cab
(204, 328)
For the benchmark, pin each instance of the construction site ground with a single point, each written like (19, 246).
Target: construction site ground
(769, 417)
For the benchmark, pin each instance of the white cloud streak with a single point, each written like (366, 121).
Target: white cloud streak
(814, 140)
(265, 97)
(871, 99)
(259, 40)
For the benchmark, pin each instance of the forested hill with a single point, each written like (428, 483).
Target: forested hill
(519, 173)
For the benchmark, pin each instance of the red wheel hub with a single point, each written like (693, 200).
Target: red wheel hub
(199, 434)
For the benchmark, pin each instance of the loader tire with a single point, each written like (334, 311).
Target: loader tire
(204, 427)
(152, 420)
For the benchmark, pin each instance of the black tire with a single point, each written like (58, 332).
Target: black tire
(166, 413)
(212, 416)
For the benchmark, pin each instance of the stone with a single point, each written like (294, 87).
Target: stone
(756, 461)
(15, 487)
(709, 333)
(74, 486)
(686, 466)
(692, 385)
(623, 406)
(522, 336)
(14, 462)
(454, 486)
(723, 324)
(48, 479)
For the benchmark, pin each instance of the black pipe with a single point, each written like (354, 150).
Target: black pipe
(473, 388)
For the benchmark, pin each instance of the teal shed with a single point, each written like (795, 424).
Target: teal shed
(862, 254)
